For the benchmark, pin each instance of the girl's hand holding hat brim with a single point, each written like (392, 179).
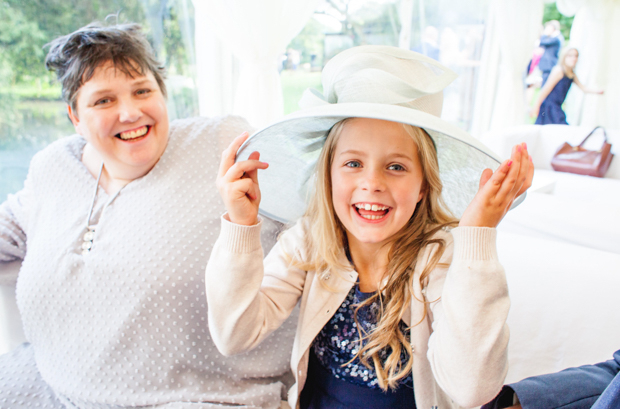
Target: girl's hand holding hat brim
(499, 189)
(238, 183)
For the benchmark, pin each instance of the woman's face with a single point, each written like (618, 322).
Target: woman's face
(376, 179)
(125, 119)
(571, 58)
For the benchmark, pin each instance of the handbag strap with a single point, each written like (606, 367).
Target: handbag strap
(590, 134)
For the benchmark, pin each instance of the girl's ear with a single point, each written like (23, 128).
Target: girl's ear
(423, 191)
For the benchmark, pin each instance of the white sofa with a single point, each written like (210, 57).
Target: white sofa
(561, 251)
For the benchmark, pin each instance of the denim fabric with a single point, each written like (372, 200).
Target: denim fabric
(610, 399)
(574, 388)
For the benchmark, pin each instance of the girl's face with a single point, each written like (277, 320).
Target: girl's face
(571, 58)
(376, 179)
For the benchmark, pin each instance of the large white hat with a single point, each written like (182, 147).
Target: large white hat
(377, 82)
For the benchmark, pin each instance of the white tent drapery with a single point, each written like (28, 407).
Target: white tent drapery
(256, 33)
(512, 29)
(595, 33)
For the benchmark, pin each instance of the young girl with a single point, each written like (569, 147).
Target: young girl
(548, 107)
(396, 310)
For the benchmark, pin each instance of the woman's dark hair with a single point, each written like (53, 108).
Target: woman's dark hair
(74, 57)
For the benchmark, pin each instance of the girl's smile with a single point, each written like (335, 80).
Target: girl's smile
(373, 213)
(376, 180)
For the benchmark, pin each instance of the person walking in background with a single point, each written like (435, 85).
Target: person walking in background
(551, 41)
(548, 107)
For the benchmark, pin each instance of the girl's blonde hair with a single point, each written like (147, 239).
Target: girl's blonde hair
(326, 242)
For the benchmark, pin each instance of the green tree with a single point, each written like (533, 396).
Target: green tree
(21, 43)
(551, 13)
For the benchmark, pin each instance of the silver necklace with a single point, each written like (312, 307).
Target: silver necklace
(89, 236)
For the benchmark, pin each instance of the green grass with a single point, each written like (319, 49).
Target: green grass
(294, 83)
(30, 91)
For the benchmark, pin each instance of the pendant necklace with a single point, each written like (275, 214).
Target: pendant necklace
(89, 236)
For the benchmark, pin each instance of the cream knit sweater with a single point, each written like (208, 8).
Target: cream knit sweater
(459, 346)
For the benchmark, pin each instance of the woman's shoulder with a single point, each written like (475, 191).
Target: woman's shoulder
(58, 154)
(201, 126)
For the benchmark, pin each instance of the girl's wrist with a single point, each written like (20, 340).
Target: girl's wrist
(240, 222)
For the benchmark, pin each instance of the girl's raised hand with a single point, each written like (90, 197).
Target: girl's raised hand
(498, 190)
(238, 183)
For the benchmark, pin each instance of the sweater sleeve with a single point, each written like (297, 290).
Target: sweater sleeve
(14, 214)
(469, 305)
(249, 298)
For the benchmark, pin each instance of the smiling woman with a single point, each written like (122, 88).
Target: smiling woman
(115, 92)
(124, 122)
(111, 281)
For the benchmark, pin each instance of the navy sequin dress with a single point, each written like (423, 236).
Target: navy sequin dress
(551, 109)
(334, 384)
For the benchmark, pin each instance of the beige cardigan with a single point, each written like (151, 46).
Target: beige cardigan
(459, 347)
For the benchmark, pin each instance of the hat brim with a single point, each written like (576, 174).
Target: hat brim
(292, 146)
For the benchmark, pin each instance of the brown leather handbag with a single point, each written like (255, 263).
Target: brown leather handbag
(577, 159)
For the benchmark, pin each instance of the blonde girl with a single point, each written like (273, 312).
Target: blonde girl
(399, 307)
(548, 107)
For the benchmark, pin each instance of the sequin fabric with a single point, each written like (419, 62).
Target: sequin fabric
(338, 341)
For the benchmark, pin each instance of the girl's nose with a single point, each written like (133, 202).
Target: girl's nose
(373, 181)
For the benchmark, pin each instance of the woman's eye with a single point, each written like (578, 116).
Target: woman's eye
(353, 164)
(396, 166)
(102, 101)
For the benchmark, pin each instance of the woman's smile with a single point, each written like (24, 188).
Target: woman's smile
(134, 134)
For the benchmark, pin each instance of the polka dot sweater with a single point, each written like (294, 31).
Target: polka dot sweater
(126, 324)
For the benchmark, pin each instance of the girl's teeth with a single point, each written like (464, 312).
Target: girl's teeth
(370, 217)
(367, 206)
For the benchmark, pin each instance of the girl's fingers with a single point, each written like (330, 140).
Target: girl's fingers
(245, 187)
(495, 182)
(253, 174)
(230, 153)
(509, 184)
(524, 171)
(484, 178)
(247, 167)
(529, 177)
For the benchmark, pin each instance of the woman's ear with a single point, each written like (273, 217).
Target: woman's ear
(74, 119)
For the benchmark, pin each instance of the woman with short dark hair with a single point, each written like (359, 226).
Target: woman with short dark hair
(108, 242)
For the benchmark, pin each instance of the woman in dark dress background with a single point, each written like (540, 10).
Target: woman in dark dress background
(548, 107)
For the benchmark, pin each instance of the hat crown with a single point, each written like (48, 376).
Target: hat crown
(384, 75)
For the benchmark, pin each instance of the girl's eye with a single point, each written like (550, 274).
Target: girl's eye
(143, 91)
(396, 166)
(353, 164)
